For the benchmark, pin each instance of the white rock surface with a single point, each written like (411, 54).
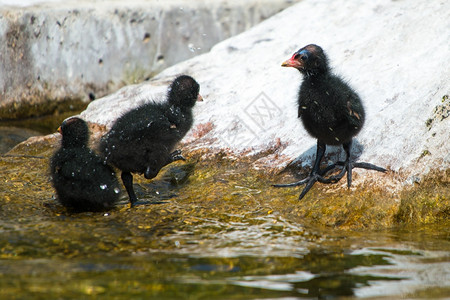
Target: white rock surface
(22, 3)
(394, 53)
(81, 48)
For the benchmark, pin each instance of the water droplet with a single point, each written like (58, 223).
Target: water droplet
(103, 186)
(106, 214)
(157, 192)
(116, 190)
(191, 47)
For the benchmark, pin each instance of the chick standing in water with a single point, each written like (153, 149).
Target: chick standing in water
(81, 179)
(330, 110)
(143, 139)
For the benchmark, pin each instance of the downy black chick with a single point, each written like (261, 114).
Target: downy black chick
(143, 139)
(83, 182)
(330, 110)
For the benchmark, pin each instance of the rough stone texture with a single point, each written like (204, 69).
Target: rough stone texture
(81, 49)
(395, 54)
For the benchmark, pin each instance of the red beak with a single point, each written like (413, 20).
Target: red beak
(199, 98)
(293, 62)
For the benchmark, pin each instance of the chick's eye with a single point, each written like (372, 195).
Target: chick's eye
(303, 55)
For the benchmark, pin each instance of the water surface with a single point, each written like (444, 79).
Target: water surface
(202, 232)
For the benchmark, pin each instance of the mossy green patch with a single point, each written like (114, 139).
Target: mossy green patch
(440, 112)
(219, 187)
(38, 106)
(427, 201)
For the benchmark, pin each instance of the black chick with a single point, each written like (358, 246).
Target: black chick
(330, 110)
(81, 179)
(143, 139)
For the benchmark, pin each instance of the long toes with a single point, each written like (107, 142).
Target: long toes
(310, 180)
(297, 183)
(334, 178)
(364, 165)
(176, 152)
(308, 186)
(331, 167)
(178, 157)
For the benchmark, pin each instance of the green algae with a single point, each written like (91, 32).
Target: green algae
(427, 202)
(36, 107)
(44, 124)
(440, 112)
(224, 186)
(205, 228)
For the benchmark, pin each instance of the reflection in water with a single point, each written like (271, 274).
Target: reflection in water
(166, 276)
(415, 270)
(235, 235)
(239, 259)
(11, 136)
(13, 132)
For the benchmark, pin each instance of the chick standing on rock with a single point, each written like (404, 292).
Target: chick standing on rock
(143, 140)
(81, 179)
(330, 111)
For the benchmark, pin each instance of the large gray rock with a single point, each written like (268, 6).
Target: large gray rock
(74, 50)
(395, 54)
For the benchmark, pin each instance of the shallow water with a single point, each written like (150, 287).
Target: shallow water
(243, 259)
(202, 232)
(13, 132)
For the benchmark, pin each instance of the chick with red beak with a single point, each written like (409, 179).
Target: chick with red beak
(331, 111)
